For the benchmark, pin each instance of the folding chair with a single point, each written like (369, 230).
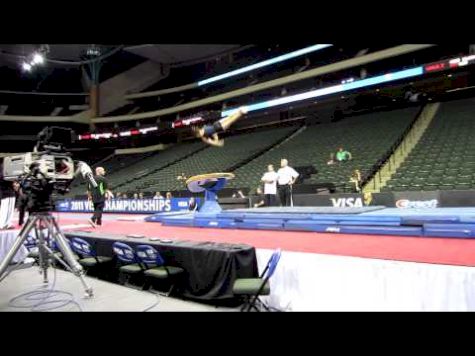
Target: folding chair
(155, 266)
(252, 288)
(88, 257)
(130, 263)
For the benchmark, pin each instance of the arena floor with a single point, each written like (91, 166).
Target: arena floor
(318, 271)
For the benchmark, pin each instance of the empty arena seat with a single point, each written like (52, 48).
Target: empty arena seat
(444, 156)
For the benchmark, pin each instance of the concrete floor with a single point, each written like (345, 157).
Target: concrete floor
(107, 296)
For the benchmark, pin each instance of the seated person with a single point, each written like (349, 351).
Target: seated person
(140, 195)
(209, 133)
(136, 196)
(356, 180)
(342, 155)
(260, 201)
(168, 195)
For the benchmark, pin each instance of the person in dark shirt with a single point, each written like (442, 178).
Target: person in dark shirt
(20, 202)
(98, 195)
(259, 198)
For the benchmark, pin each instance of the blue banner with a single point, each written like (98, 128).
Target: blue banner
(141, 206)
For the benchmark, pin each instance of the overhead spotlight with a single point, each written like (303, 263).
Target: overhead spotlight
(26, 66)
(38, 58)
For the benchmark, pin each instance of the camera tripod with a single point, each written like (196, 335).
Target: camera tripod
(39, 222)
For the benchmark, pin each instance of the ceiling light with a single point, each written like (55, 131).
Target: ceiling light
(38, 58)
(26, 66)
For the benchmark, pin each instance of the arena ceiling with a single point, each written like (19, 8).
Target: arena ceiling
(182, 54)
(173, 54)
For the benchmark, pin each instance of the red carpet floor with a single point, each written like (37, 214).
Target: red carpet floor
(414, 249)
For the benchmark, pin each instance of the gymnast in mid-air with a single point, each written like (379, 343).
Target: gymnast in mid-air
(209, 133)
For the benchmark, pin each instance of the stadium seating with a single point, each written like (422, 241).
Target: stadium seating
(368, 137)
(444, 158)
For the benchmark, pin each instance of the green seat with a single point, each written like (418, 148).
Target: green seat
(446, 187)
(163, 272)
(93, 261)
(464, 180)
(249, 286)
(132, 268)
(437, 173)
(463, 186)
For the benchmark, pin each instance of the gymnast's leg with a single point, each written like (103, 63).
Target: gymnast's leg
(231, 119)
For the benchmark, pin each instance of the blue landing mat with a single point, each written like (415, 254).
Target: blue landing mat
(232, 214)
(179, 220)
(440, 222)
(160, 216)
(450, 230)
(349, 229)
(309, 210)
(424, 219)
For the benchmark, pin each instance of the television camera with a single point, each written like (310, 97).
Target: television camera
(47, 169)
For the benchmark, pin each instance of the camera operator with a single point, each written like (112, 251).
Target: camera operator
(98, 195)
(21, 201)
(7, 204)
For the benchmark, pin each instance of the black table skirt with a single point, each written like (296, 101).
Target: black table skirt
(210, 268)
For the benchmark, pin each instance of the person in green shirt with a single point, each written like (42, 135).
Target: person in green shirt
(343, 155)
(98, 196)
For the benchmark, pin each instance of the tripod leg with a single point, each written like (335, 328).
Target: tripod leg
(17, 245)
(68, 255)
(43, 253)
(44, 250)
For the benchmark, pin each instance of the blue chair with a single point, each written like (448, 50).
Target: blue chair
(87, 255)
(130, 263)
(155, 266)
(55, 248)
(31, 244)
(251, 288)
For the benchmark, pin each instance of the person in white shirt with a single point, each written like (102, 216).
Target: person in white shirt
(286, 177)
(157, 195)
(270, 186)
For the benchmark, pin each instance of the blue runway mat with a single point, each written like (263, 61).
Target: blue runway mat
(450, 230)
(439, 222)
(308, 210)
(160, 216)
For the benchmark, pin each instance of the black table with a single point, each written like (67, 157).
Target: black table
(211, 268)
